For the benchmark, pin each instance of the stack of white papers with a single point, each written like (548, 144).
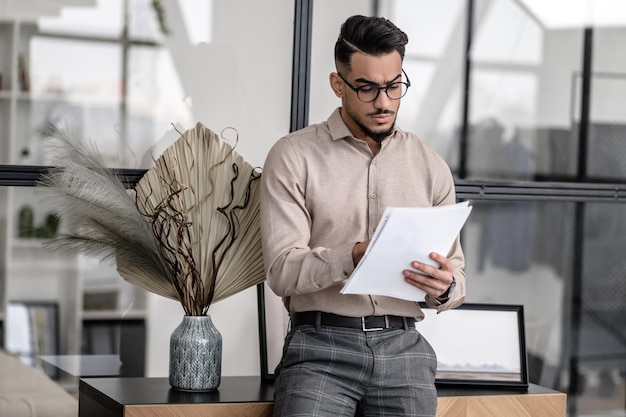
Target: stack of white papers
(403, 235)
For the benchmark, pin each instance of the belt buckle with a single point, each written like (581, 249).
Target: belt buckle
(374, 329)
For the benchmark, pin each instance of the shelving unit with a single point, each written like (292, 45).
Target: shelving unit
(28, 271)
(33, 273)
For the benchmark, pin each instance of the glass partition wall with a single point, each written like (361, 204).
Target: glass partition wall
(523, 98)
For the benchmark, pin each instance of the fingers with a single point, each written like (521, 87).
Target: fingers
(430, 285)
(434, 281)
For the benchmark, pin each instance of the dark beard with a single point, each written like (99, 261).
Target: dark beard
(378, 137)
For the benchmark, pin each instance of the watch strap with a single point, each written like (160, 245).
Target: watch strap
(446, 295)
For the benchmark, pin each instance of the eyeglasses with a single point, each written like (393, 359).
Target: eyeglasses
(368, 93)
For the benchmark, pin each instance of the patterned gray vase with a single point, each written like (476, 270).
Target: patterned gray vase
(195, 355)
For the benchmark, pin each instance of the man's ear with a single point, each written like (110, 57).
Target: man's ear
(336, 83)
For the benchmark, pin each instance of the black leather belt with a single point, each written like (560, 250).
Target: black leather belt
(367, 324)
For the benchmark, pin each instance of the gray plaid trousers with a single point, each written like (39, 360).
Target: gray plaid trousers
(335, 371)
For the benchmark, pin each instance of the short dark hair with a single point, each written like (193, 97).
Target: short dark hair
(368, 34)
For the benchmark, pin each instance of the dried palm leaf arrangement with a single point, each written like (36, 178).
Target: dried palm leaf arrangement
(189, 232)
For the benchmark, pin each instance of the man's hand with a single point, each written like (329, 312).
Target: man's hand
(359, 250)
(434, 281)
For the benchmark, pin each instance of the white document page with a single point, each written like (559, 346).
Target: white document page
(403, 235)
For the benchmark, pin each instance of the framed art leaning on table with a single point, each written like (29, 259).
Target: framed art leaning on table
(478, 344)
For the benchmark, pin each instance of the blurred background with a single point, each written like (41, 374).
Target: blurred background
(525, 99)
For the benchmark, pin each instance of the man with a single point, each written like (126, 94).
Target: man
(324, 189)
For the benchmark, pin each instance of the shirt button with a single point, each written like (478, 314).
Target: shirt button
(373, 196)
(375, 302)
(345, 274)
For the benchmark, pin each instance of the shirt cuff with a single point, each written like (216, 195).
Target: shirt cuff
(341, 263)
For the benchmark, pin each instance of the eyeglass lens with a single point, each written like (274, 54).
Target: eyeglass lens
(394, 91)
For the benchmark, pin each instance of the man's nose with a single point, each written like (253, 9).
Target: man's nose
(382, 101)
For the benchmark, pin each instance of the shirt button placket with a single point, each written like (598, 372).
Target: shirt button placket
(372, 201)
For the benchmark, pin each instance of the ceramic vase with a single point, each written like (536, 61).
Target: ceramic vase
(195, 355)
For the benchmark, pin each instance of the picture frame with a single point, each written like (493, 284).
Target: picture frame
(31, 330)
(478, 345)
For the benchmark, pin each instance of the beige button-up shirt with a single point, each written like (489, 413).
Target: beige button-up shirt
(322, 191)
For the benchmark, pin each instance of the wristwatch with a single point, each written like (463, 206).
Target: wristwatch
(446, 295)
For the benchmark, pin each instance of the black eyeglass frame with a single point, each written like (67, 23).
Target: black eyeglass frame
(386, 88)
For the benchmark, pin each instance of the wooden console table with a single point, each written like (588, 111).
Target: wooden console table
(249, 397)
